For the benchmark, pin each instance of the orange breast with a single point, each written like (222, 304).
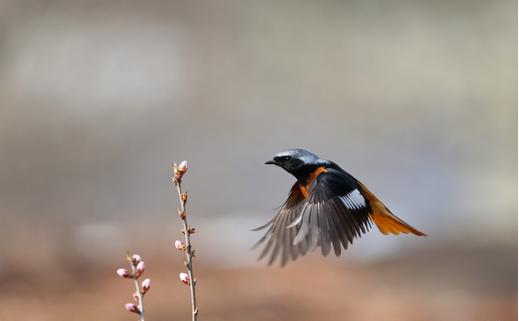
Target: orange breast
(310, 179)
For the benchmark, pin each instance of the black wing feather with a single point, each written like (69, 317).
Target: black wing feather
(321, 219)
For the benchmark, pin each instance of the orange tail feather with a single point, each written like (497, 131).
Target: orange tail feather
(384, 219)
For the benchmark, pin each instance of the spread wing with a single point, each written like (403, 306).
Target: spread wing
(333, 212)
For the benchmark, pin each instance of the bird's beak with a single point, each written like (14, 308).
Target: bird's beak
(270, 162)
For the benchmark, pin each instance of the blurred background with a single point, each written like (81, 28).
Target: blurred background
(416, 99)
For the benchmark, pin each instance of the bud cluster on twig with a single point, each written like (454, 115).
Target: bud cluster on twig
(179, 171)
(188, 278)
(138, 268)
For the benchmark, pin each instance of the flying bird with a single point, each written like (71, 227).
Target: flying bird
(326, 207)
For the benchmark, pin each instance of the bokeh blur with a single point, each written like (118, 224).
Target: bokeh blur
(416, 99)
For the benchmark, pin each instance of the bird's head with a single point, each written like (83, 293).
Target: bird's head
(295, 161)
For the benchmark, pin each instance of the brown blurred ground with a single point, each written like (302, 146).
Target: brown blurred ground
(447, 283)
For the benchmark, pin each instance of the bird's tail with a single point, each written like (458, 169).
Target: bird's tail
(386, 221)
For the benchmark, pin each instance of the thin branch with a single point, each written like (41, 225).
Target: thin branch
(187, 231)
(139, 293)
(138, 268)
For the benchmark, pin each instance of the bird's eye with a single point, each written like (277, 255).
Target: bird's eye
(288, 159)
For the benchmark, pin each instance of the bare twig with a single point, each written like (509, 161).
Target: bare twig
(187, 231)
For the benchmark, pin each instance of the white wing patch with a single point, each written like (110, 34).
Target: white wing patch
(354, 200)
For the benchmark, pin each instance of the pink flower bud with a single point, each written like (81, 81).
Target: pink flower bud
(136, 258)
(136, 296)
(140, 268)
(184, 278)
(145, 286)
(124, 273)
(183, 166)
(179, 245)
(132, 308)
